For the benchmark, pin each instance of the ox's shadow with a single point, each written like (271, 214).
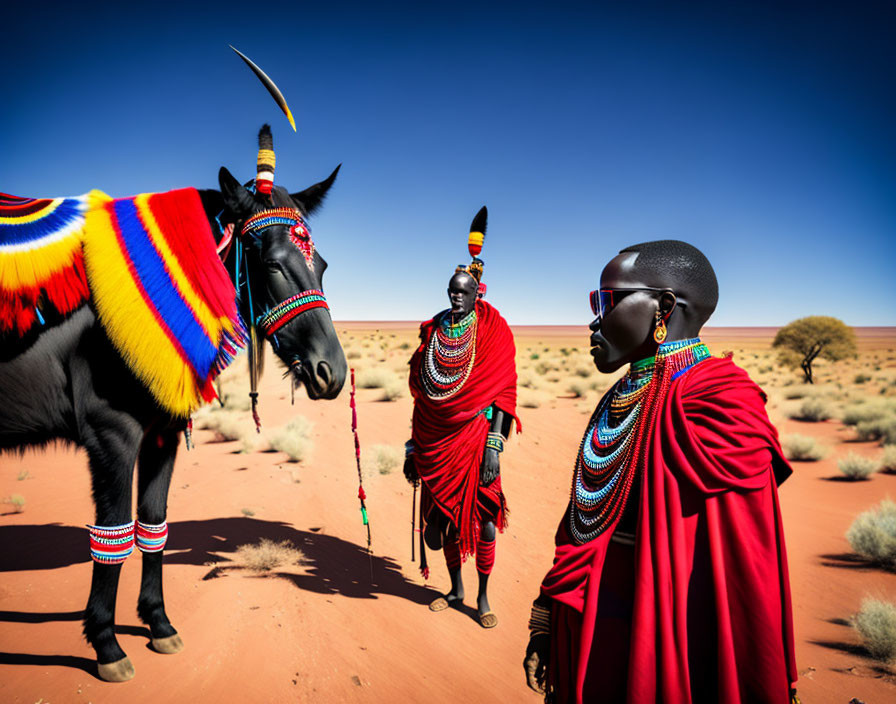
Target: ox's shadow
(331, 566)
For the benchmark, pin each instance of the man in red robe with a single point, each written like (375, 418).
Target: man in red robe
(670, 580)
(463, 380)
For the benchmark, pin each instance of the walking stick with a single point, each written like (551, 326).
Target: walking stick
(362, 495)
(413, 519)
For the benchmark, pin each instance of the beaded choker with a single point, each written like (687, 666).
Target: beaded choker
(449, 356)
(613, 448)
(292, 307)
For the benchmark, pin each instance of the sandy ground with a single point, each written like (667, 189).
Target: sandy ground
(346, 627)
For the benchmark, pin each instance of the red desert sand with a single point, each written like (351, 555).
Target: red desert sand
(343, 626)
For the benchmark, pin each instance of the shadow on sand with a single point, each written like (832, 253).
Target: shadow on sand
(332, 566)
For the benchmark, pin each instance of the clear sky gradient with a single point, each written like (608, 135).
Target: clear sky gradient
(762, 133)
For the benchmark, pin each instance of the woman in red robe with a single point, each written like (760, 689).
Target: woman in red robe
(669, 581)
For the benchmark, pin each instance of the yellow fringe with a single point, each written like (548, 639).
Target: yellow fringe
(130, 324)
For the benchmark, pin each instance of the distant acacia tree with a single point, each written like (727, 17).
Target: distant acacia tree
(804, 340)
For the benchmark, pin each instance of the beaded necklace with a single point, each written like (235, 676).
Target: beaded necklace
(449, 356)
(612, 451)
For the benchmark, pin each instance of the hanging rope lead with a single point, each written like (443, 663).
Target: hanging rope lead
(362, 496)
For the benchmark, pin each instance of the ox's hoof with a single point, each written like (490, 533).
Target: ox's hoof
(118, 671)
(168, 646)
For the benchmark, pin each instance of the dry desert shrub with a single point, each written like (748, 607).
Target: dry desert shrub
(876, 624)
(531, 398)
(266, 555)
(376, 378)
(856, 467)
(801, 448)
(17, 501)
(353, 353)
(226, 425)
(583, 371)
(863, 411)
(813, 410)
(577, 388)
(888, 460)
(873, 534)
(236, 401)
(393, 390)
(528, 380)
(294, 439)
(882, 428)
(382, 459)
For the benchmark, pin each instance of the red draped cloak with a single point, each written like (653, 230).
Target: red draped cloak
(449, 434)
(711, 614)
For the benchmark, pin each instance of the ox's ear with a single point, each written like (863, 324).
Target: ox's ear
(312, 198)
(238, 199)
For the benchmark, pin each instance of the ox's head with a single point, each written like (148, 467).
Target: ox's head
(282, 275)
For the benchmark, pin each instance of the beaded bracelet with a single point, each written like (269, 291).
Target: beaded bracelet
(539, 621)
(409, 448)
(495, 441)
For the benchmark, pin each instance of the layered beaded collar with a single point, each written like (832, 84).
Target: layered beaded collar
(612, 450)
(449, 356)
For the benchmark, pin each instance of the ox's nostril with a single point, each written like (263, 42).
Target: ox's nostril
(325, 374)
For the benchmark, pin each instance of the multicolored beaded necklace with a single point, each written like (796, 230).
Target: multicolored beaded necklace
(449, 356)
(612, 451)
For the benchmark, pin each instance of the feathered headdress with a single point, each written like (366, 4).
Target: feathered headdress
(474, 245)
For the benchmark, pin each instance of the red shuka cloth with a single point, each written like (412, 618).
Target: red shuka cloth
(449, 434)
(711, 614)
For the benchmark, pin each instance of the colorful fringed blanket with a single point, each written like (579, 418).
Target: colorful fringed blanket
(41, 264)
(152, 273)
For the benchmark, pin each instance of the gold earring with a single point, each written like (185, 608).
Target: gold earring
(660, 332)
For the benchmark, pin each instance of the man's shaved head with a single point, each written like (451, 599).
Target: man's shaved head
(681, 267)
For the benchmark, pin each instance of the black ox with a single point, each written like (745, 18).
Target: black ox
(69, 383)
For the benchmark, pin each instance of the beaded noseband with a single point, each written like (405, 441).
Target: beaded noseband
(292, 307)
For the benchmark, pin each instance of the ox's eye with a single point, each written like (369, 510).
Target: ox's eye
(274, 266)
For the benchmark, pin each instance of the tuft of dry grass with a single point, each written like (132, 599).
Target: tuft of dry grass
(376, 378)
(393, 390)
(876, 625)
(578, 388)
(888, 459)
(226, 425)
(294, 439)
(813, 410)
(382, 459)
(856, 467)
(873, 534)
(17, 501)
(530, 398)
(266, 555)
(801, 448)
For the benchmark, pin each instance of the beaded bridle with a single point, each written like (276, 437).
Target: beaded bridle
(300, 236)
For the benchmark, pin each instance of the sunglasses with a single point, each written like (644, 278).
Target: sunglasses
(605, 299)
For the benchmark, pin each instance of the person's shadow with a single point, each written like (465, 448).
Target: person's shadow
(330, 566)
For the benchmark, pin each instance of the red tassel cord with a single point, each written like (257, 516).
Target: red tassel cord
(362, 495)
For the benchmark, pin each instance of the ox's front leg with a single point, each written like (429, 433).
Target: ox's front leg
(155, 467)
(112, 451)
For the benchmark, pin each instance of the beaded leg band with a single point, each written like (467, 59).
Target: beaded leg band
(152, 538)
(111, 545)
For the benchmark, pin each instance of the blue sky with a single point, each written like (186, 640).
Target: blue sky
(762, 133)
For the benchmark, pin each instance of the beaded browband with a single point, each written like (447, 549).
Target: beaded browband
(299, 233)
